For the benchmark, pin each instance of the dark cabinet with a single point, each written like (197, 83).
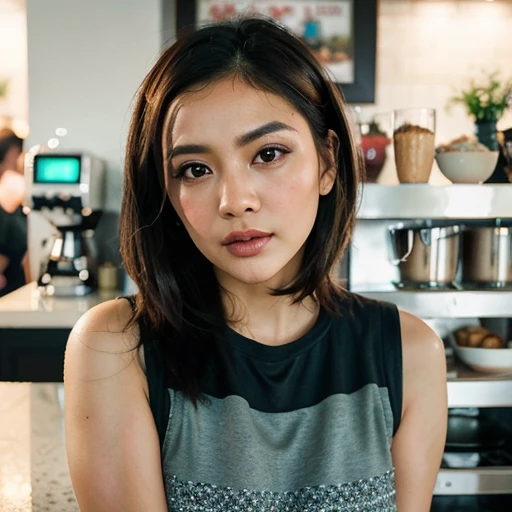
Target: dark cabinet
(32, 355)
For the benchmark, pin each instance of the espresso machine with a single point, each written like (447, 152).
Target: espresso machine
(67, 189)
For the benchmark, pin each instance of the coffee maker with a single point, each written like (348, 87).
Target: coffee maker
(67, 188)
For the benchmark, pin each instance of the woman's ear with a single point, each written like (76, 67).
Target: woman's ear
(329, 166)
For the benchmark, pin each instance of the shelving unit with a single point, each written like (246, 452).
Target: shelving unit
(467, 388)
(381, 206)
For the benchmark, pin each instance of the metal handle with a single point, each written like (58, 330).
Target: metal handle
(391, 240)
(426, 235)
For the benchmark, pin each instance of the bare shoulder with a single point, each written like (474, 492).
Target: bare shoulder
(111, 438)
(424, 359)
(110, 316)
(418, 339)
(100, 344)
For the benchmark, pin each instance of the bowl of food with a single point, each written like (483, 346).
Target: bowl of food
(482, 350)
(465, 160)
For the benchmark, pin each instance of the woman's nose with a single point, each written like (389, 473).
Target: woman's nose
(238, 195)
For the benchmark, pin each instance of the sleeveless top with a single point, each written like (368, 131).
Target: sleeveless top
(305, 426)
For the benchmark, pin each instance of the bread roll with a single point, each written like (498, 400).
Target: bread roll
(476, 336)
(461, 337)
(492, 341)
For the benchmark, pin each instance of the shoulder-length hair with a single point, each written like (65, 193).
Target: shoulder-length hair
(179, 297)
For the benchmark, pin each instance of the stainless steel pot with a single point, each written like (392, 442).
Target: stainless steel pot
(487, 256)
(425, 256)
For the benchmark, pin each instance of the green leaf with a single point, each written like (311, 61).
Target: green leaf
(487, 101)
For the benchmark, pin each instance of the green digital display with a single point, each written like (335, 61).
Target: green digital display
(56, 169)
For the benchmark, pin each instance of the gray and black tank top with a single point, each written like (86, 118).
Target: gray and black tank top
(305, 426)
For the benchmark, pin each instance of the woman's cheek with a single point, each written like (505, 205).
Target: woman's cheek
(297, 192)
(196, 214)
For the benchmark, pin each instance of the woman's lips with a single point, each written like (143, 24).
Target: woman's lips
(245, 248)
(243, 236)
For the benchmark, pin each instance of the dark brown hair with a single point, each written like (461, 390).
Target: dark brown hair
(179, 297)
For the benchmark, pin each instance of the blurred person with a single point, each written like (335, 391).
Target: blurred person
(11, 151)
(12, 182)
(13, 248)
(13, 226)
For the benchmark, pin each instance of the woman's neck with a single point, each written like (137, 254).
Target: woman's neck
(268, 319)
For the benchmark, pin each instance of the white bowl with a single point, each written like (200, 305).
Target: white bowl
(467, 166)
(489, 360)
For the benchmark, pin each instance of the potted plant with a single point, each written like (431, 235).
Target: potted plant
(486, 103)
(373, 143)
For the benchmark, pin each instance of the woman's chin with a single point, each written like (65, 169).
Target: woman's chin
(271, 278)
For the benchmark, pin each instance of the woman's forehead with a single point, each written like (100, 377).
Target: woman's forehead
(228, 105)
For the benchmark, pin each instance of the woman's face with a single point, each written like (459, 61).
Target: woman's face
(244, 176)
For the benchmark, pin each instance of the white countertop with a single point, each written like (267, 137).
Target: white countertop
(27, 308)
(34, 474)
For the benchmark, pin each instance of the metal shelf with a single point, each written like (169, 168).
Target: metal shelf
(424, 201)
(448, 304)
(467, 388)
(480, 393)
(474, 481)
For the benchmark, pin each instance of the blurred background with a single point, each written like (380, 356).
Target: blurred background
(69, 72)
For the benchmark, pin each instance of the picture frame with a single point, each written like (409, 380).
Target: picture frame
(362, 87)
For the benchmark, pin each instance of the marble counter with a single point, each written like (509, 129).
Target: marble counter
(27, 308)
(34, 474)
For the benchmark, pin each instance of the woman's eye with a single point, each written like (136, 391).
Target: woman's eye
(269, 155)
(192, 171)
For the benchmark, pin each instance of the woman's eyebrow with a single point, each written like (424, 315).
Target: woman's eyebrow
(273, 126)
(240, 141)
(187, 149)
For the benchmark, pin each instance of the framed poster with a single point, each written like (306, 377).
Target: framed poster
(341, 33)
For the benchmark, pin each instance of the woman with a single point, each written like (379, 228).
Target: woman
(241, 377)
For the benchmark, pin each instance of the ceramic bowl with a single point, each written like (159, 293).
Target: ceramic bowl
(467, 166)
(489, 360)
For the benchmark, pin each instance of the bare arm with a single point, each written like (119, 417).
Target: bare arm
(111, 439)
(419, 442)
(26, 268)
(4, 263)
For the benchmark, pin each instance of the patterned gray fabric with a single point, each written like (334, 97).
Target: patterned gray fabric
(366, 495)
(225, 452)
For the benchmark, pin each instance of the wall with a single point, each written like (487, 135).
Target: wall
(13, 63)
(86, 60)
(428, 50)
